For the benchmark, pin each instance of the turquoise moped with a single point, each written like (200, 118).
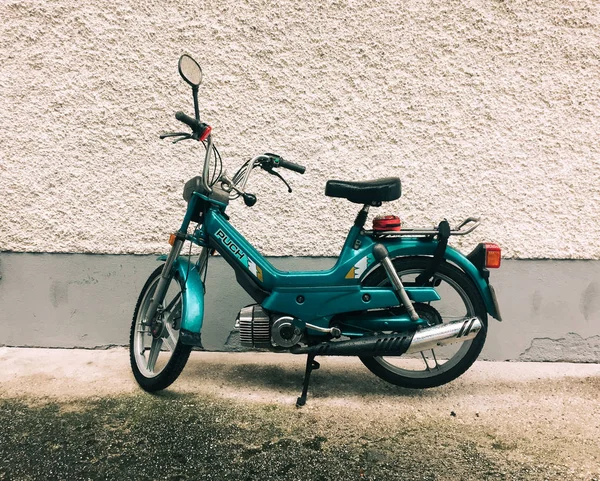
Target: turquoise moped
(412, 308)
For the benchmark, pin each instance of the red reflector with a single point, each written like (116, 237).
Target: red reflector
(493, 255)
(386, 222)
(206, 133)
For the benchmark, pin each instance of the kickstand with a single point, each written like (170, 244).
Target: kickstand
(311, 365)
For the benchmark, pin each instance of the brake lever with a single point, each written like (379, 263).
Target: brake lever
(187, 137)
(277, 174)
(173, 134)
(183, 135)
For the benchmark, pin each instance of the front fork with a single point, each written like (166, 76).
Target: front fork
(165, 279)
(167, 275)
(167, 272)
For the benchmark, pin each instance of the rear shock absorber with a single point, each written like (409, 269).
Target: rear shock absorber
(382, 255)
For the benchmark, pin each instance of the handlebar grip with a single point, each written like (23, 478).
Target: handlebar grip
(291, 166)
(192, 122)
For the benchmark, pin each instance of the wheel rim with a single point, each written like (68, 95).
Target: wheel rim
(454, 305)
(153, 353)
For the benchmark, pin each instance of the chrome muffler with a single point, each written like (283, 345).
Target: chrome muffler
(444, 334)
(398, 344)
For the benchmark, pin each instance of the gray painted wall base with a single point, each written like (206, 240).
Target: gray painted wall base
(551, 309)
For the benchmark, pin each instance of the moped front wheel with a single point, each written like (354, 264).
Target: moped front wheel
(459, 299)
(156, 353)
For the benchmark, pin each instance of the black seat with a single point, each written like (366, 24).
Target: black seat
(368, 192)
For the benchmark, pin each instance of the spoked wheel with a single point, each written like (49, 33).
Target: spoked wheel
(459, 299)
(157, 356)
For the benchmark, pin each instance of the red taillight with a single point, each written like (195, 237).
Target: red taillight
(493, 255)
(386, 222)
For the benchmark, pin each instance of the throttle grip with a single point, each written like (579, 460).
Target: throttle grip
(196, 125)
(292, 166)
(201, 130)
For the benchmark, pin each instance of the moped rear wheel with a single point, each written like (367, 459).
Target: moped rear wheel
(459, 299)
(156, 353)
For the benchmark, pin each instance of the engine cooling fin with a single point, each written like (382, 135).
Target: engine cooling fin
(255, 327)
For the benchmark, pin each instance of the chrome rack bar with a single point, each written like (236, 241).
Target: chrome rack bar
(475, 221)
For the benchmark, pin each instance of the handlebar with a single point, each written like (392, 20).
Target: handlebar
(186, 119)
(291, 166)
(201, 130)
(268, 161)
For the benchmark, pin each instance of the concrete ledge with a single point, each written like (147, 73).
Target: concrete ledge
(551, 309)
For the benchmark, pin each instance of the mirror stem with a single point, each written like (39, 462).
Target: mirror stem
(196, 109)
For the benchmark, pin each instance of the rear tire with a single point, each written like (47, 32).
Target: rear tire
(460, 298)
(157, 361)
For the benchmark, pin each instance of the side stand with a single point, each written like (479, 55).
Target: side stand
(311, 365)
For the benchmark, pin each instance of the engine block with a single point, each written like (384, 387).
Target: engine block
(258, 329)
(255, 327)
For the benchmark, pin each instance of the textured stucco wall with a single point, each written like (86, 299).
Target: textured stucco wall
(487, 108)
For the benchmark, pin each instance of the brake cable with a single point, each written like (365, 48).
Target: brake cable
(277, 174)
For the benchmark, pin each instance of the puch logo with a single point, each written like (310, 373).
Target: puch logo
(249, 263)
(360, 267)
(230, 245)
(256, 270)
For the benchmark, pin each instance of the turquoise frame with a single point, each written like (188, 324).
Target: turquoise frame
(312, 296)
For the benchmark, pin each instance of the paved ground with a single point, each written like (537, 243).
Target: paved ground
(73, 414)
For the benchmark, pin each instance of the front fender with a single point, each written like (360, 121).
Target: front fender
(192, 313)
(413, 247)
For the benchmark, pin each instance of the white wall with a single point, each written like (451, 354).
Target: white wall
(487, 108)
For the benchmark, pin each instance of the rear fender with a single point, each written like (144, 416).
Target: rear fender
(416, 247)
(192, 314)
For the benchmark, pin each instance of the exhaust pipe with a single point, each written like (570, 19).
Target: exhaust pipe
(444, 334)
(398, 344)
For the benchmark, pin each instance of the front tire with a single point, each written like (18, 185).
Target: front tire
(158, 358)
(459, 299)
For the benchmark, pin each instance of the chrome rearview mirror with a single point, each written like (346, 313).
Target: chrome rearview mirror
(190, 71)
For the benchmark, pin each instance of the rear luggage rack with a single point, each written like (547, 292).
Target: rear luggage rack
(460, 230)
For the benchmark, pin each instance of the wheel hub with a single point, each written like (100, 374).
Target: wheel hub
(157, 325)
(428, 313)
